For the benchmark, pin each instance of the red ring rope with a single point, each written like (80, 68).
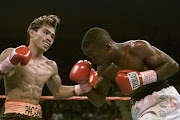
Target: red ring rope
(76, 98)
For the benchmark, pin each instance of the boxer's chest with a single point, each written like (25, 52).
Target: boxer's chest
(34, 73)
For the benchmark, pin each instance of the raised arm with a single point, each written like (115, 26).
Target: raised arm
(3, 56)
(55, 86)
(98, 95)
(12, 57)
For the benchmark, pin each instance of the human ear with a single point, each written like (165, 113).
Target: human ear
(31, 33)
(108, 46)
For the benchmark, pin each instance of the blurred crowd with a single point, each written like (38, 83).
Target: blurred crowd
(79, 110)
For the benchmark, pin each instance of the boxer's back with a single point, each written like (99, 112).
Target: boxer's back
(132, 60)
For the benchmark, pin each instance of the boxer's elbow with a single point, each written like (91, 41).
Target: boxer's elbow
(97, 101)
(98, 105)
(174, 67)
(57, 95)
(60, 95)
(1, 76)
(177, 67)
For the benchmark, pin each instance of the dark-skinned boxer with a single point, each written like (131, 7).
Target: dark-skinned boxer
(139, 69)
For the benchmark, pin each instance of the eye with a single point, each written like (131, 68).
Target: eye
(52, 36)
(46, 32)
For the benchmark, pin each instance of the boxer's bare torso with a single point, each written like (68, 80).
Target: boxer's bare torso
(127, 60)
(135, 55)
(26, 83)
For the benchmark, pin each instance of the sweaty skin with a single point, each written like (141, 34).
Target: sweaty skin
(25, 83)
(136, 55)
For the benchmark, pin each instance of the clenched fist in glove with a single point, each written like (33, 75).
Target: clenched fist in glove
(83, 74)
(129, 80)
(21, 54)
(81, 71)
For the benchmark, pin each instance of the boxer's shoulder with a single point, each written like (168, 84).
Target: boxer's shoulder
(139, 47)
(51, 63)
(138, 44)
(7, 51)
(5, 54)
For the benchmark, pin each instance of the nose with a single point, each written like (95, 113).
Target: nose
(48, 38)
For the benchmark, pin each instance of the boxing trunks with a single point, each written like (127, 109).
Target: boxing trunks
(21, 110)
(161, 105)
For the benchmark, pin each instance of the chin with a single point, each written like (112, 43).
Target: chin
(44, 49)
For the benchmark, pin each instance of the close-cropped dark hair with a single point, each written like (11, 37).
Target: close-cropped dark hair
(95, 35)
(51, 20)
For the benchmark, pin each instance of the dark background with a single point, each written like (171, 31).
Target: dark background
(157, 21)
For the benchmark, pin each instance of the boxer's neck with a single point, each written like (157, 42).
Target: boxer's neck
(37, 53)
(118, 52)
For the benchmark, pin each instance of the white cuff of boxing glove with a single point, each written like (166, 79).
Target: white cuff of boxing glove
(6, 65)
(82, 88)
(148, 77)
(78, 90)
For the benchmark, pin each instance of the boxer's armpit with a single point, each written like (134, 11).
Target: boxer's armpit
(10, 73)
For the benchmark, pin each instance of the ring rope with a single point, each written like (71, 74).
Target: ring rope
(76, 98)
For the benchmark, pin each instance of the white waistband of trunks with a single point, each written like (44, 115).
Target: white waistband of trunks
(24, 108)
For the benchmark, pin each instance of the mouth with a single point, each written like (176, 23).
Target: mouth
(46, 44)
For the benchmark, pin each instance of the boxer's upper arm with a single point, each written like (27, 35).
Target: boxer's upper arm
(154, 57)
(150, 55)
(4, 55)
(163, 64)
(157, 60)
(54, 83)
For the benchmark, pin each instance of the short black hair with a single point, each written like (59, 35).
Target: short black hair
(95, 35)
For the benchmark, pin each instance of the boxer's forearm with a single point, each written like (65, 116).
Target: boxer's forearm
(98, 95)
(64, 92)
(166, 70)
(1, 76)
(96, 98)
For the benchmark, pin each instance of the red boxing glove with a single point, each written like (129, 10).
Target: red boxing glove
(128, 80)
(93, 78)
(21, 54)
(87, 86)
(81, 71)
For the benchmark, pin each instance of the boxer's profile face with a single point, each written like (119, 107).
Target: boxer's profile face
(43, 38)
